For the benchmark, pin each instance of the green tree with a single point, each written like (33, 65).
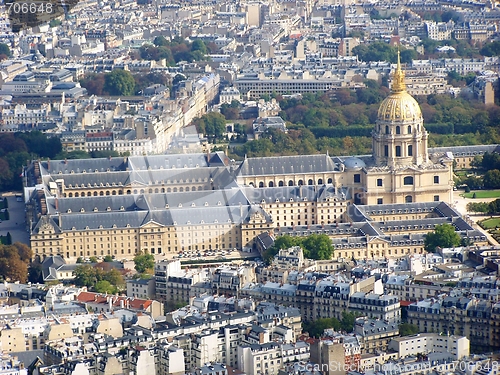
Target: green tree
(4, 50)
(318, 246)
(104, 286)
(114, 277)
(54, 23)
(35, 275)
(494, 207)
(491, 179)
(482, 207)
(160, 41)
(144, 262)
(317, 327)
(199, 45)
(108, 258)
(93, 259)
(407, 329)
(282, 242)
(119, 82)
(444, 236)
(348, 321)
(85, 275)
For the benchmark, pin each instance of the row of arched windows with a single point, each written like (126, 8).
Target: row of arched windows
(135, 191)
(292, 183)
(398, 130)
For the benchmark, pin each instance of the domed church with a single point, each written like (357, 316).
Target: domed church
(401, 170)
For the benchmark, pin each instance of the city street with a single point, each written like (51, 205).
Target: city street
(16, 224)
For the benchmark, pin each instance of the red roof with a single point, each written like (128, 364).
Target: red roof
(99, 298)
(405, 303)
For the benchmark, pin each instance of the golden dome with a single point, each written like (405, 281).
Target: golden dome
(399, 106)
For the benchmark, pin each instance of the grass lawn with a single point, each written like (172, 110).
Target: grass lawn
(483, 194)
(491, 223)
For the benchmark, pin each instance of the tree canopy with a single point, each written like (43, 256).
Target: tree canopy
(14, 261)
(4, 51)
(443, 236)
(381, 51)
(144, 263)
(175, 50)
(317, 327)
(212, 124)
(102, 281)
(315, 246)
(406, 329)
(17, 149)
(119, 82)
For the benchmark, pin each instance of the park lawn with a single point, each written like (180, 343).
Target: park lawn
(483, 194)
(491, 223)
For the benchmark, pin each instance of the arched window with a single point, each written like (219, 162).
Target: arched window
(301, 182)
(261, 184)
(77, 195)
(95, 193)
(281, 183)
(320, 181)
(410, 150)
(408, 199)
(310, 182)
(290, 183)
(129, 192)
(330, 181)
(408, 180)
(89, 194)
(271, 184)
(409, 129)
(387, 130)
(398, 130)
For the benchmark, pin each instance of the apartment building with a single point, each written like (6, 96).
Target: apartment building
(270, 357)
(406, 346)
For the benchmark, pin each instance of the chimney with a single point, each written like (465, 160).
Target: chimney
(65, 161)
(48, 164)
(57, 204)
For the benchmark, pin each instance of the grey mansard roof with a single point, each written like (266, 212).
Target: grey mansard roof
(136, 219)
(142, 202)
(286, 165)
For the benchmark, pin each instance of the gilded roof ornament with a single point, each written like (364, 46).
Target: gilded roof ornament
(398, 83)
